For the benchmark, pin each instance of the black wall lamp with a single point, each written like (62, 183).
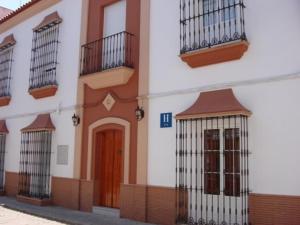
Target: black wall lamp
(139, 113)
(76, 120)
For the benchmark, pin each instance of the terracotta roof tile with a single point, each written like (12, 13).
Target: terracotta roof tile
(7, 41)
(19, 10)
(42, 122)
(3, 128)
(214, 103)
(52, 18)
(4, 12)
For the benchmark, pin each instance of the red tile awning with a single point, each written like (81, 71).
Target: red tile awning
(3, 127)
(8, 41)
(214, 103)
(41, 123)
(53, 18)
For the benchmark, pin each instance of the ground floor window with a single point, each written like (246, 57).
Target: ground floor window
(212, 179)
(2, 155)
(35, 157)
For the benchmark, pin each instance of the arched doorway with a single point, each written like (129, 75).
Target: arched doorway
(108, 140)
(108, 167)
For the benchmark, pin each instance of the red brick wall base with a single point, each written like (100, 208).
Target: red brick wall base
(11, 183)
(157, 204)
(274, 209)
(72, 193)
(34, 201)
(148, 204)
(65, 192)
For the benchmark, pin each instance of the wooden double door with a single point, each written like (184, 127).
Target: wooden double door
(109, 167)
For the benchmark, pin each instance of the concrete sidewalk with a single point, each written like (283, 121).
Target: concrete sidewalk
(63, 215)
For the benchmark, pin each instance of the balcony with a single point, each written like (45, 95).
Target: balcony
(212, 31)
(107, 62)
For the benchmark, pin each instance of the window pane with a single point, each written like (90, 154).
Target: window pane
(232, 139)
(212, 184)
(212, 162)
(229, 10)
(232, 185)
(210, 8)
(230, 164)
(212, 139)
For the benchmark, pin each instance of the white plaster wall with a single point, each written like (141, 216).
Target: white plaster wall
(273, 31)
(23, 104)
(117, 13)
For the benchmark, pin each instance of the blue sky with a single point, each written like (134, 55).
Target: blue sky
(12, 4)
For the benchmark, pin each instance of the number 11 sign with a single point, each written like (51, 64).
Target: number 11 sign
(165, 120)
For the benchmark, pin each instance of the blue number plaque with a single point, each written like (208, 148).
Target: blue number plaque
(165, 120)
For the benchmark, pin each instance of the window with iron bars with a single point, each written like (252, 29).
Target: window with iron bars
(231, 167)
(43, 66)
(2, 155)
(206, 23)
(35, 158)
(212, 176)
(6, 58)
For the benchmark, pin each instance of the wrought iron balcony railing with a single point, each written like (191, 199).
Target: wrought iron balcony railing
(206, 23)
(107, 53)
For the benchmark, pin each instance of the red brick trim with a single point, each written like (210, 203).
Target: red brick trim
(4, 101)
(43, 92)
(274, 209)
(223, 53)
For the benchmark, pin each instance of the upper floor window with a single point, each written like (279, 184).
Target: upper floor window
(43, 66)
(6, 58)
(206, 23)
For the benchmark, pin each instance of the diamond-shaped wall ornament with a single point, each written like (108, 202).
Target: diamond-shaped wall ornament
(109, 102)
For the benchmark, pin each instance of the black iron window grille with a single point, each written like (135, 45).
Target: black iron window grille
(44, 53)
(212, 175)
(206, 23)
(35, 157)
(107, 53)
(6, 58)
(2, 155)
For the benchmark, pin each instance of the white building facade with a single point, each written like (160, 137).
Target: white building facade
(265, 80)
(172, 112)
(41, 85)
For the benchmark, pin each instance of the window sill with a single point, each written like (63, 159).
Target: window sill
(108, 78)
(34, 201)
(213, 55)
(5, 100)
(43, 92)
